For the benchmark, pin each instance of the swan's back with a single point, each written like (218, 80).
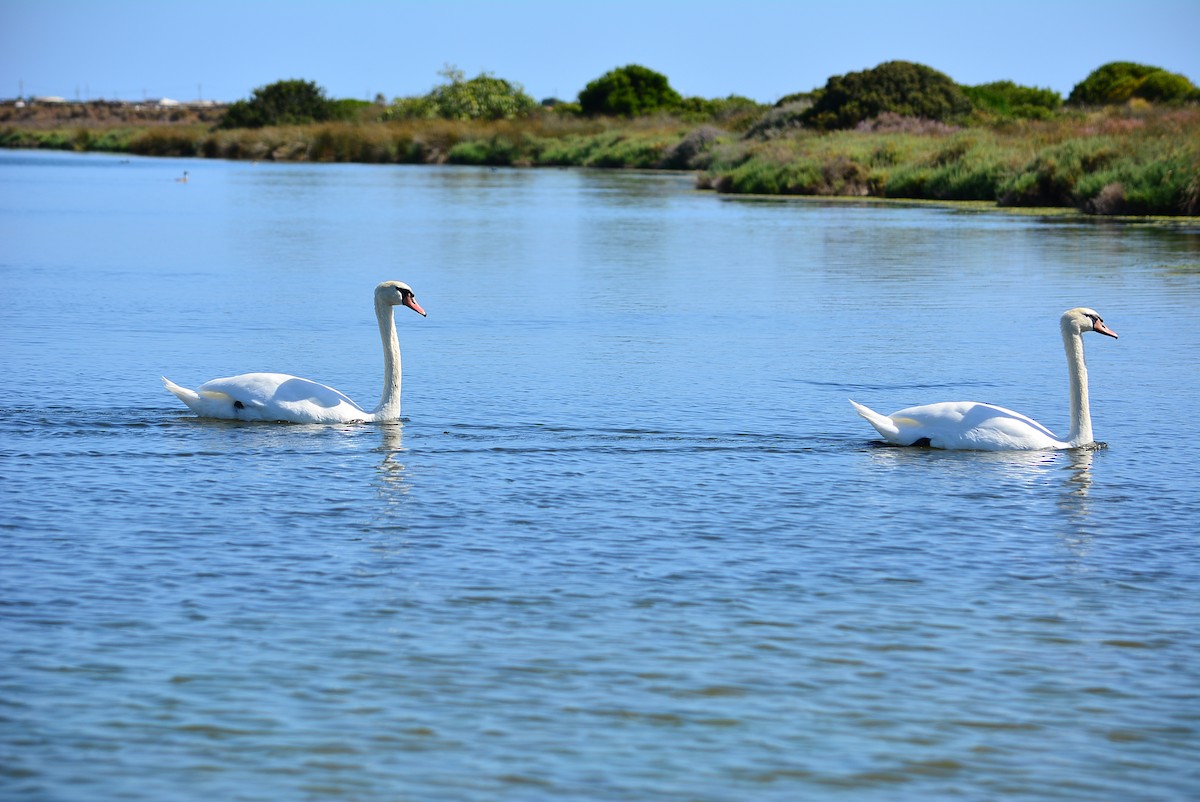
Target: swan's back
(269, 397)
(961, 425)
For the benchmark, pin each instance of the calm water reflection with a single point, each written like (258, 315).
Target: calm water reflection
(630, 541)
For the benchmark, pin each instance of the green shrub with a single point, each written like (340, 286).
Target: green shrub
(1053, 177)
(338, 142)
(889, 122)
(567, 109)
(1166, 87)
(470, 153)
(166, 141)
(484, 97)
(804, 99)
(636, 151)
(1111, 83)
(611, 149)
(734, 111)
(114, 140)
(911, 90)
(1118, 81)
(629, 91)
(693, 151)
(350, 109)
(1009, 100)
(779, 120)
(757, 178)
(1125, 185)
(411, 108)
(886, 154)
(291, 102)
(60, 140)
(496, 151)
(966, 180)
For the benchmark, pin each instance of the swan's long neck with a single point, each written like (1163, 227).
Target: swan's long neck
(389, 402)
(1081, 415)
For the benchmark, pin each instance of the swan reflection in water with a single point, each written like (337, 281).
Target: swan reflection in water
(1079, 476)
(1074, 502)
(1000, 474)
(393, 484)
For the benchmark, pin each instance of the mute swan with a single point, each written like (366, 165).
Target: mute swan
(280, 397)
(971, 425)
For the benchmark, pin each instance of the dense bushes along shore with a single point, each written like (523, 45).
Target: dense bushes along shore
(1126, 143)
(1133, 159)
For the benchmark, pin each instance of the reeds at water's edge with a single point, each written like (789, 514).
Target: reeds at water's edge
(1133, 159)
(1110, 163)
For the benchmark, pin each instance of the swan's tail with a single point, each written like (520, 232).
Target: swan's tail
(189, 397)
(882, 423)
(214, 403)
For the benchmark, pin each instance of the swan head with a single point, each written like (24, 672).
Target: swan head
(1081, 319)
(397, 293)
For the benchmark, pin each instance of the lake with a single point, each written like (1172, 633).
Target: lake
(629, 541)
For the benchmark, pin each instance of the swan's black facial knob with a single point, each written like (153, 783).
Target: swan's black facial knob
(408, 299)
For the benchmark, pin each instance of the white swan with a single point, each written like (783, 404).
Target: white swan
(284, 398)
(971, 425)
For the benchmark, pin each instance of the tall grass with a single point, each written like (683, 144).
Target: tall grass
(1130, 161)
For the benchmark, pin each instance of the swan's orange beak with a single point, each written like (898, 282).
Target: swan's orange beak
(1098, 326)
(412, 304)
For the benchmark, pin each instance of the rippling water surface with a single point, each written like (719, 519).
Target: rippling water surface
(630, 542)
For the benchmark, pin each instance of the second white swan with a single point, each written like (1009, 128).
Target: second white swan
(290, 399)
(985, 427)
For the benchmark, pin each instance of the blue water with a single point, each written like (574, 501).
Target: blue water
(629, 542)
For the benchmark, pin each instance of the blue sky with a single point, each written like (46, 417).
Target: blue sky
(763, 49)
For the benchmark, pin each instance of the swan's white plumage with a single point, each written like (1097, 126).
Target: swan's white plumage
(986, 427)
(269, 397)
(282, 397)
(961, 425)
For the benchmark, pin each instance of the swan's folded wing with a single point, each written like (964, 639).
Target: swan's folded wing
(296, 390)
(996, 428)
(972, 425)
(280, 396)
(265, 389)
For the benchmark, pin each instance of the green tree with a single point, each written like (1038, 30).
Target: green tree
(484, 97)
(1118, 81)
(900, 87)
(628, 91)
(292, 102)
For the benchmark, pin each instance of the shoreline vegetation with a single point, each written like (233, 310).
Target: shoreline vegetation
(1134, 157)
